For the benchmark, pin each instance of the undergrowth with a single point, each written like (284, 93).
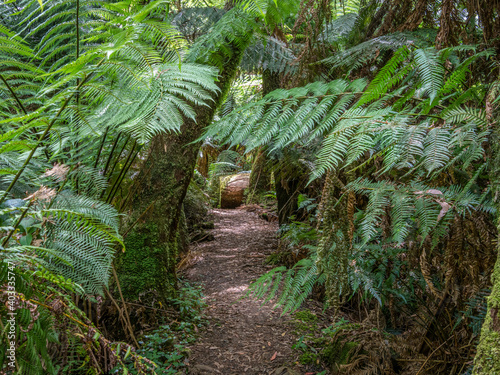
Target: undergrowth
(326, 348)
(167, 345)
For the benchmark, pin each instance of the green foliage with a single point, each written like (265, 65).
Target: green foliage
(298, 283)
(167, 345)
(417, 120)
(190, 302)
(77, 79)
(227, 163)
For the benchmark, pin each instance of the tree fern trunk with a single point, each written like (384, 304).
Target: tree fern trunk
(260, 177)
(487, 361)
(153, 246)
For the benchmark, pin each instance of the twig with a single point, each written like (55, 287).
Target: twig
(430, 355)
(138, 219)
(124, 305)
(122, 318)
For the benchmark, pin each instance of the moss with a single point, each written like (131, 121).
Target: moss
(308, 358)
(338, 352)
(487, 359)
(306, 316)
(305, 321)
(138, 268)
(195, 206)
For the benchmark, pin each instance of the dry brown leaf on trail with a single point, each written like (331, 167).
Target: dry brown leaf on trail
(274, 356)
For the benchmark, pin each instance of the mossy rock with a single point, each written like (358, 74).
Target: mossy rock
(338, 352)
(305, 320)
(308, 358)
(306, 316)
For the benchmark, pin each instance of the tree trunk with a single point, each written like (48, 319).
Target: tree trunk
(149, 262)
(260, 177)
(487, 360)
(287, 197)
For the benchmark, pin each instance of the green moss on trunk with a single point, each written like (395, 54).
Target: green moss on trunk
(487, 360)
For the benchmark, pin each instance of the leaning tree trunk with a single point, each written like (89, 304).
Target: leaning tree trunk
(487, 361)
(149, 262)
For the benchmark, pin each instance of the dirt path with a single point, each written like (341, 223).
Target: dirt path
(243, 337)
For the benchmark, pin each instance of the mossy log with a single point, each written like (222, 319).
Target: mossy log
(233, 189)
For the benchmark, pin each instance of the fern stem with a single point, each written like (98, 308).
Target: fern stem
(100, 147)
(123, 171)
(40, 140)
(115, 275)
(111, 154)
(118, 156)
(11, 232)
(13, 94)
(135, 187)
(124, 320)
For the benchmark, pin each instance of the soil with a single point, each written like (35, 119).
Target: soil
(244, 336)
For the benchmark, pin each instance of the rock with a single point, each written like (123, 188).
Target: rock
(232, 190)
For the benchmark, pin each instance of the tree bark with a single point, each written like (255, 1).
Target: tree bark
(260, 176)
(149, 262)
(487, 360)
(286, 194)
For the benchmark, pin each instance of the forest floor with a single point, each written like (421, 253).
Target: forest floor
(243, 337)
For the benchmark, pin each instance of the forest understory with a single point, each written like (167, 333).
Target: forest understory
(292, 187)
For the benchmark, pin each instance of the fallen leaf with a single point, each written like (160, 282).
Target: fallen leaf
(274, 356)
(268, 343)
(444, 209)
(434, 192)
(283, 334)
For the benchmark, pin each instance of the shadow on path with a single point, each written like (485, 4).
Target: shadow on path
(243, 337)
